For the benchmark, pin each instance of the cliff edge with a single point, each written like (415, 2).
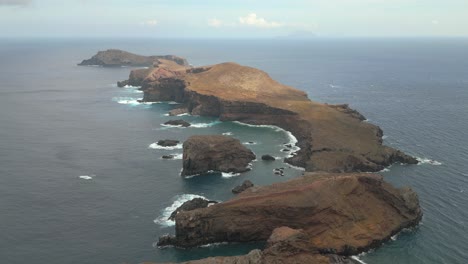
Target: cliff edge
(332, 138)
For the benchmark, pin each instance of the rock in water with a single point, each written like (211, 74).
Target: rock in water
(168, 157)
(191, 205)
(117, 58)
(168, 143)
(342, 213)
(206, 153)
(179, 122)
(244, 186)
(268, 158)
(178, 111)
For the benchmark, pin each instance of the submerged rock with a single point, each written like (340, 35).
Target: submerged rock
(268, 158)
(244, 186)
(179, 122)
(178, 111)
(191, 205)
(218, 153)
(168, 156)
(168, 142)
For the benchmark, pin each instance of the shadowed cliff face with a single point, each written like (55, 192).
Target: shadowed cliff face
(337, 213)
(332, 138)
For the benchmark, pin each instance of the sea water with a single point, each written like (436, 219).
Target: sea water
(81, 180)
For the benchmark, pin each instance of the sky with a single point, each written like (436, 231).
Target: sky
(233, 18)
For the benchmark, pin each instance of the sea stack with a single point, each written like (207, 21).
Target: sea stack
(215, 153)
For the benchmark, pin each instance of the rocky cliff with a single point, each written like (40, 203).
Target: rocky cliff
(215, 153)
(343, 214)
(117, 58)
(332, 138)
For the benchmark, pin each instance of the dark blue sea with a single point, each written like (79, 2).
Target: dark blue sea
(59, 121)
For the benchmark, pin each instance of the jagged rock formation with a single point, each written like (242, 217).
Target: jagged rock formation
(339, 213)
(191, 205)
(118, 58)
(331, 138)
(244, 186)
(207, 153)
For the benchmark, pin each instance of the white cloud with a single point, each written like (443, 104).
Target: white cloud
(150, 23)
(435, 22)
(214, 22)
(254, 21)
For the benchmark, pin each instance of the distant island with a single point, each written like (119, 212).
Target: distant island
(119, 58)
(332, 212)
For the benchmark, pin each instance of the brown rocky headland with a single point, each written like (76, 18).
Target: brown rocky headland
(318, 214)
(332, 138)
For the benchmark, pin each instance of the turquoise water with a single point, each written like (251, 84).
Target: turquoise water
(60, 121)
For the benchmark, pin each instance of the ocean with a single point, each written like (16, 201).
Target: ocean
(81, 182)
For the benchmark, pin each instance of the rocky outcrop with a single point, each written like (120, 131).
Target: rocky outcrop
(118, 58)
(332, 138)
(217, 153)
(244, 186)
(342, 214)
(191, 205)
(167, 142)
(268, 157)
(179, 122)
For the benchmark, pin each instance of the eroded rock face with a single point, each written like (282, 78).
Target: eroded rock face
(244, 186)
(339, 213)
(117, 58)
(191, 205)
(332, 138)
(207, 153)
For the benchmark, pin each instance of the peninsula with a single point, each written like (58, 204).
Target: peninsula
(331, 138)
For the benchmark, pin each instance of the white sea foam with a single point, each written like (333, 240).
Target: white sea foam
(156, 146)
(214, 244)
(86, 177)
(428, 161)
(131, 87)
(385, 170)
(229, 174)
(384, 137)
(184, 114)
(175, 126)
(356, 258)
(296, 167)
(203, 125)
(227, 134)
(176, 203)
(292, 139)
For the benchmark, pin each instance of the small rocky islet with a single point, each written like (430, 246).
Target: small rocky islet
(335, 210)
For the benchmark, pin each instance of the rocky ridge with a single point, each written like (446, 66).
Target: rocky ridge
(332, 138)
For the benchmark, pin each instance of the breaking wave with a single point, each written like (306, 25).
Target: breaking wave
(177, 201)
(156, 146)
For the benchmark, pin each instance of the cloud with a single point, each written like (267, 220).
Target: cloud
(150, 23)
(254, 21)
(214, 22)
(15, 2)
